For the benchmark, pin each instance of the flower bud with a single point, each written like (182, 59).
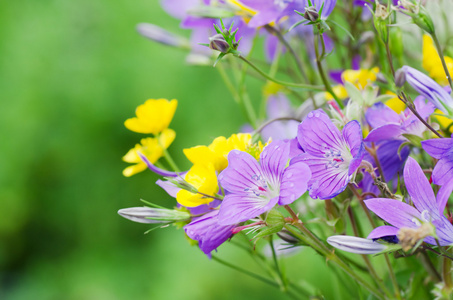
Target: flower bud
(400, 78)
(311, 14)
(160, 35)
(424, 21)
(355, 244)
(217, 42)
(288, 237)
(149, 215)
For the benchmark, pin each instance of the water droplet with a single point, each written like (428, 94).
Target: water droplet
(292, 197)
(289, 175)
(317, 115)
(310, 115)
(291, 184)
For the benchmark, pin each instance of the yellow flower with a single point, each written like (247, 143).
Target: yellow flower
(149, 147)
(443, 121)
(216, 153)
(359, 78)
(152, 117)
(396, 104)
(272, 88)
(432, 63)
(204, 179)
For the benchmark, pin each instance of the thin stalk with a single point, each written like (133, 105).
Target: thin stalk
(290, 84)
(442, 59)
(334, 258)
(402, 96)
(365, 258)
(323, 74)
(228, 82)
(247, 272)
(316, 244)
(170, 160)
(446, 274)
(373, 153)
(426, 262)
(277, 267)
(264, 125)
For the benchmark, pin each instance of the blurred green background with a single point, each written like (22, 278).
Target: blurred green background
(71, 72)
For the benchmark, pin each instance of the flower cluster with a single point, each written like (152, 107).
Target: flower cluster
(365, 152)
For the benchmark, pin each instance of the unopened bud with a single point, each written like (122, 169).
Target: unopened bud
(366, 37)
(381, 78)
(311, 14)
(424, 21)
(288, 237)
(160, 35)
(149, 215)
(400, 78)
(355, 244)
(217, 42)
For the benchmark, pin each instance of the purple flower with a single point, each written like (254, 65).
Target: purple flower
(388, 125)
(332, 156)
(267, 11)
(208, 232)
(427, 209)
(278, 106)
(441, 149)
(428, 88)
(391, 161)
(255, 188)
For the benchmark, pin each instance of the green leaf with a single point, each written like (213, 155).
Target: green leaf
(414, 139)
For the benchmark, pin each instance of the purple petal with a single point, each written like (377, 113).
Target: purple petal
(325, 183)
(352, 133)
(273, 160)
(443, 171)
(294, 182)
(295, 148)
(419, 188)
(317, 132)
(335, 75)
(438, 147)
(443, 195)
(208, 232)
(169, 187)
(412, 125)
(382, 231)
(271, 47)
(385, 132)
(159, 171)
(238, 176)
(396, 213)
(264, 17)
(380, 114)
(239, 208)
(427, 87)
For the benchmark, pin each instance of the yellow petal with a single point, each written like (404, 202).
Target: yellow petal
(395, 104)
(167, 137)
(204, 179)
(153, 116)
(132, 170)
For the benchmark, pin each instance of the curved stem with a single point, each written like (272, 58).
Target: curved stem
(442, 59)
(290, 84)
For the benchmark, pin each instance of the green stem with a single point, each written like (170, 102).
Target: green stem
(247, 272)
(228, 82)
(281, 278)
(442, 59)
(170, 160)
(334, 258)
(446, 275)
(323, 74)
(290, 84)
(316, 244)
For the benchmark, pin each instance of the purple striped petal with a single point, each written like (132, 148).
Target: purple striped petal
(239, 208)
(443, 195)
(396, 213)
(273, 160)
(317, 132)
(385, 132)
(419, 188)
(208, 232)
(241, 172)
(382, 231)
(443, 171)
(294, 182)
(380, 114)
(438, 147)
